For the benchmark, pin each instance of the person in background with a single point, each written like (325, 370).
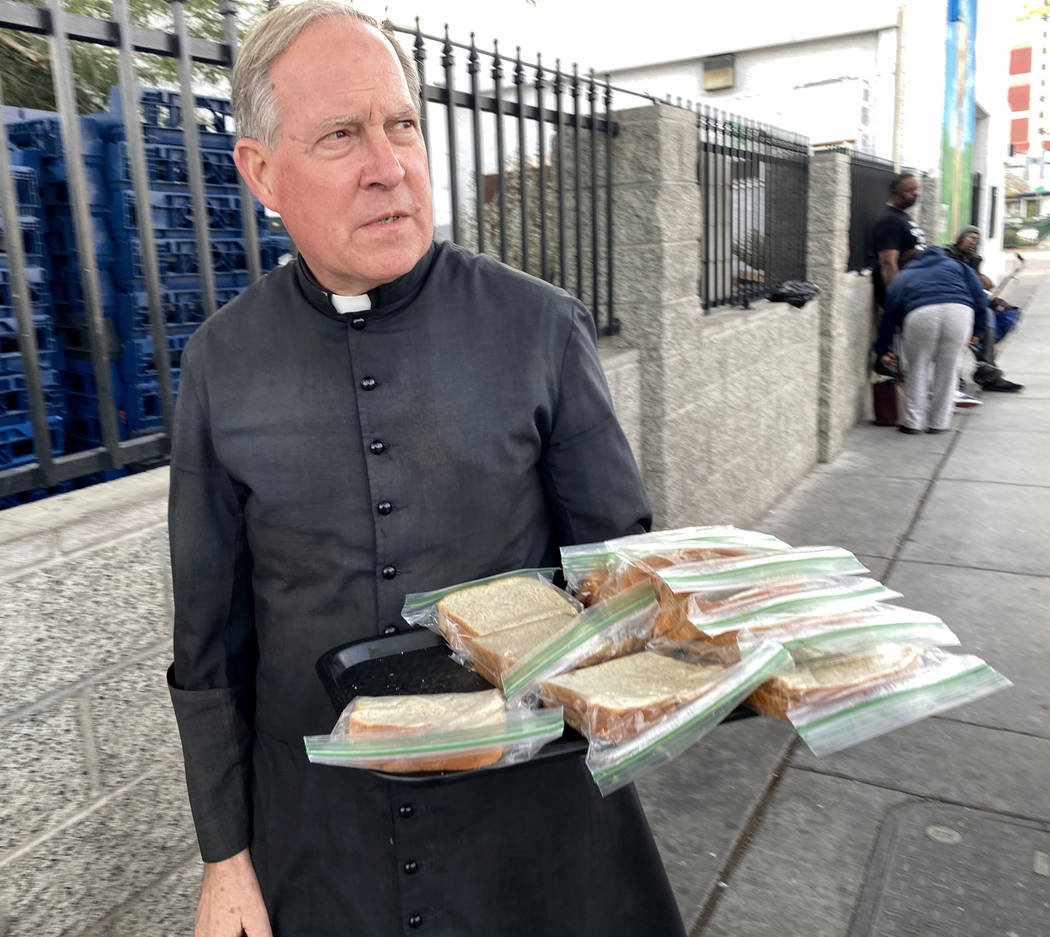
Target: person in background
(383, 415)
(896, 237)
(934, 302)
(987, 374)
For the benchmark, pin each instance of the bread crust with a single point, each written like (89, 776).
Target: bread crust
(501, 603)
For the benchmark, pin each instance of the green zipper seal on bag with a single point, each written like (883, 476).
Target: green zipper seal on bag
(788, 604)
(596, 620)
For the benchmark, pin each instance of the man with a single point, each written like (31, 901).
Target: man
(896, 236)
(987, 374)
(382, 416)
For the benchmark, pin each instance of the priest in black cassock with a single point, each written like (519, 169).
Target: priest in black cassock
(384, 415)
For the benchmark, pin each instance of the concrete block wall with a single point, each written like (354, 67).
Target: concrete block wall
(95, 830)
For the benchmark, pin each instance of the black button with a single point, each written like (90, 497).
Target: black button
(389, 572)
(368, 383)
(384, 507)
(390, 629)
(411, 867)
(376, 446)
(406, 810)
(358, 322)
(415, 920)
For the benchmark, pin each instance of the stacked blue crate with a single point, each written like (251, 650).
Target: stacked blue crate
(39, 142)
(172, 221)
(16, 428)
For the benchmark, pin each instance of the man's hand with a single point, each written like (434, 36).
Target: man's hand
(231, 903)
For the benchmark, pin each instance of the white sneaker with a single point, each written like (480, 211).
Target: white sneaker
(965, 401)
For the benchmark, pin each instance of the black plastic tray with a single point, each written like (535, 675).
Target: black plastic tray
(415, 662)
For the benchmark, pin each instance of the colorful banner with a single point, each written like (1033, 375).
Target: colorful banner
(960, 118)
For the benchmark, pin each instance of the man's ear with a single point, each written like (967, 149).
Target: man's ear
(255, 164)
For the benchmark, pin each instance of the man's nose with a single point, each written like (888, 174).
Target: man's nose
(382, 168)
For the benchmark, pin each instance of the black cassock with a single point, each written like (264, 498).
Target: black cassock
(324, 465)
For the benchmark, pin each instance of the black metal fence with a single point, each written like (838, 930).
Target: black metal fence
(527, 168)
(534, 191)
(755, 188)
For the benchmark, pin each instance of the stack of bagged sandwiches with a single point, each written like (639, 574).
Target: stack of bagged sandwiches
(655, 639)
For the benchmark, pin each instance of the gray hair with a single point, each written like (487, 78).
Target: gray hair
(255, 109)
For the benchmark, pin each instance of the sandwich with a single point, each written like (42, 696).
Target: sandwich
(493, 654)
(619, 698)
(832, 677)
(418, 715)
(500, 603)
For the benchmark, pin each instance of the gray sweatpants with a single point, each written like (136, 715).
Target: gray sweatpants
(933, 335)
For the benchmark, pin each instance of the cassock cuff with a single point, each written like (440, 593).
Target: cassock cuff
(216, 731)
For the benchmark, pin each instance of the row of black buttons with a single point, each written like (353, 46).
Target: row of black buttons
(405, 811)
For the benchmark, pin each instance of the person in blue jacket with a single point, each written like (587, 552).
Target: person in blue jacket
(934, 302)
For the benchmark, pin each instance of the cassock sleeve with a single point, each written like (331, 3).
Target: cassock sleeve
(592, 480)
(211, 679)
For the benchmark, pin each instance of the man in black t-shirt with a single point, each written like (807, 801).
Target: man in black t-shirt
(896, 236)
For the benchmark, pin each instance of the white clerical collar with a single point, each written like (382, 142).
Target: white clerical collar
(346, 304)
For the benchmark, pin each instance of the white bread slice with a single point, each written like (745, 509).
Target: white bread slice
(501, 603)
(831, 676)
(619, 698)
(494, 654)
(417, 713)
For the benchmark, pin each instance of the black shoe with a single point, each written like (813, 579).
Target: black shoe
(932, 430)
(986, 373)
(1003, 385)
(910, 430)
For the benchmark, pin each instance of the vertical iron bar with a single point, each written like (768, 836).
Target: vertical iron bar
(754, 189)
(542, 183)
(419, 53)
(497, 78)
(771, 177)
(479, 168)
(592, 97)
(731, 212)
(560, 130)
(143, 213)
(719, 211)
(519, 81)
(576, 177)
(249, 220)
(449, 63)
(21, 301)
(804, 209)
(205, 268)
(62, 74)
(614, 325)
(702, 173)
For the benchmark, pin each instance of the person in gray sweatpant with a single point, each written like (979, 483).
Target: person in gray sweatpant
(933, 302)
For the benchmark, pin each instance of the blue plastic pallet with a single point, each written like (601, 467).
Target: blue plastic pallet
(137, 358)
(178, 256)
(43, 134)
(173, 212)
(32, 229)
(168, 163)
(161, 109)
(16, 441)
(182, 305)
(36, 280)
(14, 393)
(141, 409)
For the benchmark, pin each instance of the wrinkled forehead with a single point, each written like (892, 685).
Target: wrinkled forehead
(909, 185)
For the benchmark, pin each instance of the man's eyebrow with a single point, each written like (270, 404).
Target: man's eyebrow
(340, 120)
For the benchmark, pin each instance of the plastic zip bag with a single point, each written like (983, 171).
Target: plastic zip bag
(937, 681)
(612, 628)
(587, 567)
(811, 636)
(515, 737)
(785, 599)
(613, 765)
(720, 578)
(424, 608)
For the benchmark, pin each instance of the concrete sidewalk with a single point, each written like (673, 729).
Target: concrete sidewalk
(942, 828)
